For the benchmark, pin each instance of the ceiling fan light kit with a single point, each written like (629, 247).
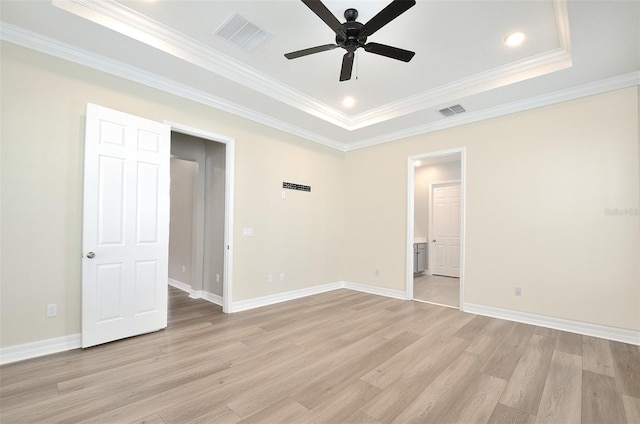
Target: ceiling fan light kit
(352, 34)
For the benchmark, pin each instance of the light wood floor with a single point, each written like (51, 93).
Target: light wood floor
(341, 356)
(437, 289)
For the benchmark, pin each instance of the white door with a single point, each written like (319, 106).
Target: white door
(125, 226)
(445, 242)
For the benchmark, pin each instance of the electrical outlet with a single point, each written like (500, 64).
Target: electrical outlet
(518, 291)
(282, 277)
(269, 278)
(184, 268)
(52, 310)
(217, 278)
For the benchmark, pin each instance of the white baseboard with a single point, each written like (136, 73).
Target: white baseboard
(257, 302)
(196, 294)
(180, 285)
(213, 298)
(73, 341)
(587, 329)
(245, 305)
(380, 291)
(41, 348)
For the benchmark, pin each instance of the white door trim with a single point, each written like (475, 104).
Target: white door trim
(411, 174)
(229, 142)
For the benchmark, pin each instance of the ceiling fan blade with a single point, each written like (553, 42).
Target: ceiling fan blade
(347, 66)
(386, 15)
(311, 50)
(389, 51)
(325, 14)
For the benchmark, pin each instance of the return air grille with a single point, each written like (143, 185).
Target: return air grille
(243, 33)
(452, 110)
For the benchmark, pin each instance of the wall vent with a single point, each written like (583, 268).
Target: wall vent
(452, 110)
(243, 33)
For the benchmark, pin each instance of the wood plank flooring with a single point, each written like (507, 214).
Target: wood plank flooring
(437, 289)
(337, 357)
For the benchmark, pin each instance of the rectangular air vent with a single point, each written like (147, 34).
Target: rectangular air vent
(452, 110)
(243, 33)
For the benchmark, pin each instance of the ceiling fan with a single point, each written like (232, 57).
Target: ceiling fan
(352, 34)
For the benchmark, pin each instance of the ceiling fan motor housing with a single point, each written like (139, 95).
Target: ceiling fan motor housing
(353, 39)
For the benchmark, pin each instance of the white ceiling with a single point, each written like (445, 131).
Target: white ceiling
(572, 49)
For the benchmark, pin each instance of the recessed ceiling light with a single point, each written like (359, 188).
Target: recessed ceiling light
(514, 39)
(348, 101)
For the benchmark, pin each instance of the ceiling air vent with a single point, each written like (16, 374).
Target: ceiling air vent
(243, 33)
(452, 110)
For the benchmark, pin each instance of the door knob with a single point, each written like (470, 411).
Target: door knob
(91, 255)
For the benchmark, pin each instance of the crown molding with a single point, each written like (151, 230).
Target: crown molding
(42, 44)
(133, 24)
(573, 93)
(140, 27)
(531, 67)
(46, 45)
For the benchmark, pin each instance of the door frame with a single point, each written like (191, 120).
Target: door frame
(411, 175)
(431, 235)
(229, 142)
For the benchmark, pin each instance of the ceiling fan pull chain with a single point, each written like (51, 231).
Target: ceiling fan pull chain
(357, 61)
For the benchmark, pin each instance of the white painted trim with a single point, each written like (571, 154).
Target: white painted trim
(213, 298)
(60, 344)
(139, 27)
(258, 302)
(524, 69)
(411, 222)
(180, 285)
(380, 291)
(193, 294)
(49, 46)
(40, 348)
(199, 133)
(164, 38)
(561, 13)
(588, 329)
(196, 294)
(227, 282)
(590, 89)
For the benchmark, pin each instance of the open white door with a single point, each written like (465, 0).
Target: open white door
(446, 229)
(125, 226)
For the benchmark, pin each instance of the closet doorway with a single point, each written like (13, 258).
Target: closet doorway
(201, 212)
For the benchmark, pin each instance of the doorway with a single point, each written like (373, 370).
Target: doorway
(199, 248)
(436, 226)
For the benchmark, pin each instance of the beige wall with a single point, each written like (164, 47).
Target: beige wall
(43, 109)
(537, 187)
